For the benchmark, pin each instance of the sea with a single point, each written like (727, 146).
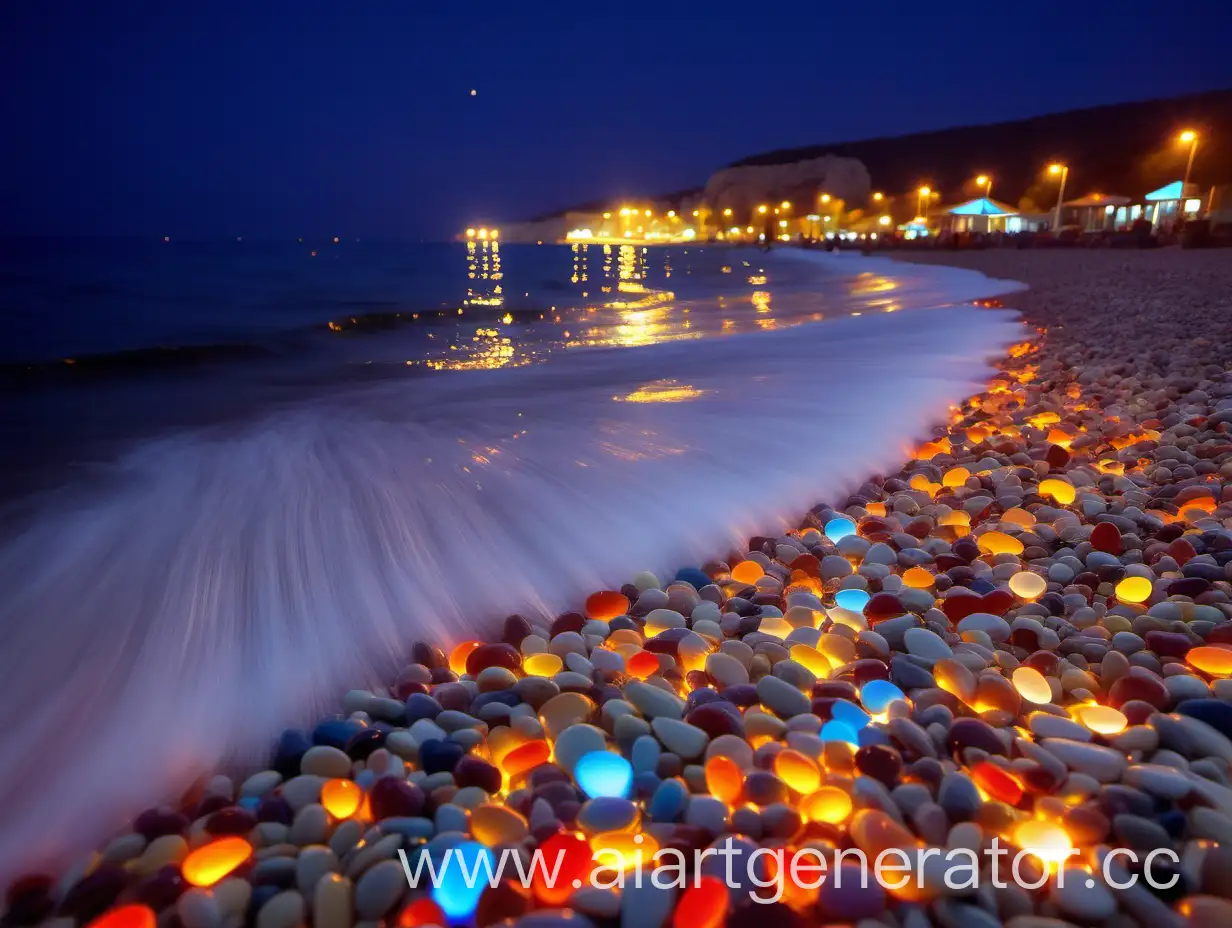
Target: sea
(240, 478)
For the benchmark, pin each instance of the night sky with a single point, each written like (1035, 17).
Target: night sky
(267, 118)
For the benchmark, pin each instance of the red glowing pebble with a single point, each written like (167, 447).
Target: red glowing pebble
(702, 906)
(422, 911)
(642, 665)
(883, 606)
(525, 758)
(126, 916)
(997, 782)
(576, 862)
(808, 563)
(961, 605)
(724, 779)
(606, 605)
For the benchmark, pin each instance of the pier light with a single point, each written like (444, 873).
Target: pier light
(749, 230)
(1061, 170)
(696, 213)
(470, 233)
(925, 191)
(495, 233)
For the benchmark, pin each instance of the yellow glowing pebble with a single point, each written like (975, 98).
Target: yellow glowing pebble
(493, 824)
(458, 656)
(1027, 585)
(1061, 437)
(1211, 660)
(829, 804)
(875, 509)
(1060, 490)
(341, 797)
(1133, 590)
(797, 771)
(210, 863)
(1018, 516)
(724, 780)
(921, 482)
(542, 665)
(811, 659)
(776, 625)
(999, 543)
(1044, 418)
(955, 477)
(1111, 467)
(1032, 685)
(623, 636)
(1046, 840)
(958, 517)
(918, 578)
(623, 851)
(747, 572)
(1103, 720)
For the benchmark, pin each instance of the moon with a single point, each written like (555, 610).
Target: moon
(474, 92)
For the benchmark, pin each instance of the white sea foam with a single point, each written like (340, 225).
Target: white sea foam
(222, 585)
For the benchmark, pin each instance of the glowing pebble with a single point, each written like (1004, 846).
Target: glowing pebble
(525, 758)
(211, 862)
(1046, 840)
(775, 625)
(642, 664)
(1060, 490)
(875, 509)
(703, 905)
(747, 572)
(458, 656)
(420, 912)
(1027, 585)
(602, 773)
(878, 694)
(955, 477)
(621, 851)
(997, 783)
(853, 600)
(575, 864)
(958, 518)
(829, 804)
(126, 916)
(1018, 516)
(1103, 720)
(839, 731)
(451, 891)
(341, 797)
(606, 605)
(999, 543)
(724, 781)
(1134, 590)
(839, 528)
(811, 659)
(542, 665)
(849, 714)
(797, 771)
(1033, 685)
(1211, 660)
(918, 578)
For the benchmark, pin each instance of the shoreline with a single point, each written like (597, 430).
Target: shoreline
(932, 657)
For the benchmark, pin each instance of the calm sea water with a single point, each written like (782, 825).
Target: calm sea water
(203, 547)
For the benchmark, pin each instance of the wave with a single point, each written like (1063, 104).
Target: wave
(213, 587)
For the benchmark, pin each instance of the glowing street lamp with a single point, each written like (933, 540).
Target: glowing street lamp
(986, 182)
(825, 198)
(921, 200)
(878, 197)
(762, 208)
(727, 212)
(786, 204)
(1063, 171)
(1190, 137)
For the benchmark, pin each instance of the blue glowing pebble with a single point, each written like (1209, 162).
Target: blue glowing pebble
(878, 694)
(839, 731)
(855, 600)
(839, 528)
(692, 575)
(452, 893)
(849, 714)
(602, 773)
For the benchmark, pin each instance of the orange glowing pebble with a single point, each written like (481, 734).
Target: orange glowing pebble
(1044, 418)
(1032, 685)
(421, 912)
(999, 543)
(1060, 490)
(1111, 467)
(126, 916)
(642, 665)
(703, 905)
(1134, 590)
(1046, 840)
(1060, 437)
(931, 449)
(1028, 586)
(1103, 720)
(210, 863)
(811, 659)
(797, 771)
(724, 780)
(624, 636)
(525, 758)
(828, 804)
(921, 482)
(542, 665)
(341, 797)
(1018, 516)
(576, 863)
(747, 572)
(606, 605)
(875, 509)
(501, 740)
(918, 578)
(1211, 660)
(622, 851)
(997, 782)
(957, 517)
(458, 656)
(955, 477)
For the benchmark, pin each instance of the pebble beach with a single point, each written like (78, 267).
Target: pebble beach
(1024, 635)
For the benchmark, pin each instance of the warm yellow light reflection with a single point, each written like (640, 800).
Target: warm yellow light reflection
(661, 391)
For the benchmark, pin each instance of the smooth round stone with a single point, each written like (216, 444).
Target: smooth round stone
(1214, 712)
(668, 801)
(1102, 764)
(926, 644)
(682, 739)
(577, 741)
(494, 824)
(472, 771)
(734, 747)
(1076, 897)
(995, 627)
(725, 670)
(437, 755)
(707, 813)
(842, 897)
(1047, 725)
(197, 908)
(607, 813)
(283, 910)
(333, 901)
(378, 889)
(325, 761)
(561, 712)
(974, 733)
(781, 697)
(717, 718)
(693, 576)
(391, 797)
(334, 733)
(495, 654)
(653, 702)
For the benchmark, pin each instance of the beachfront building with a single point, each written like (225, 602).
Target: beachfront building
(1096, 212)
(1171, 204)
(981, 216)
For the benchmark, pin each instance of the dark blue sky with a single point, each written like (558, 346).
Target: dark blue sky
(269, 118)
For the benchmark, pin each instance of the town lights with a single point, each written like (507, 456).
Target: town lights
(1063, 171)
(1190, 138)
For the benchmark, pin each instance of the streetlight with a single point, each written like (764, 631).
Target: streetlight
(878, 197)
(1192, 138)
(825, 198)
(727, 212)
(986, 182)
(1063, 170)
(921, 196)
(762, 208)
